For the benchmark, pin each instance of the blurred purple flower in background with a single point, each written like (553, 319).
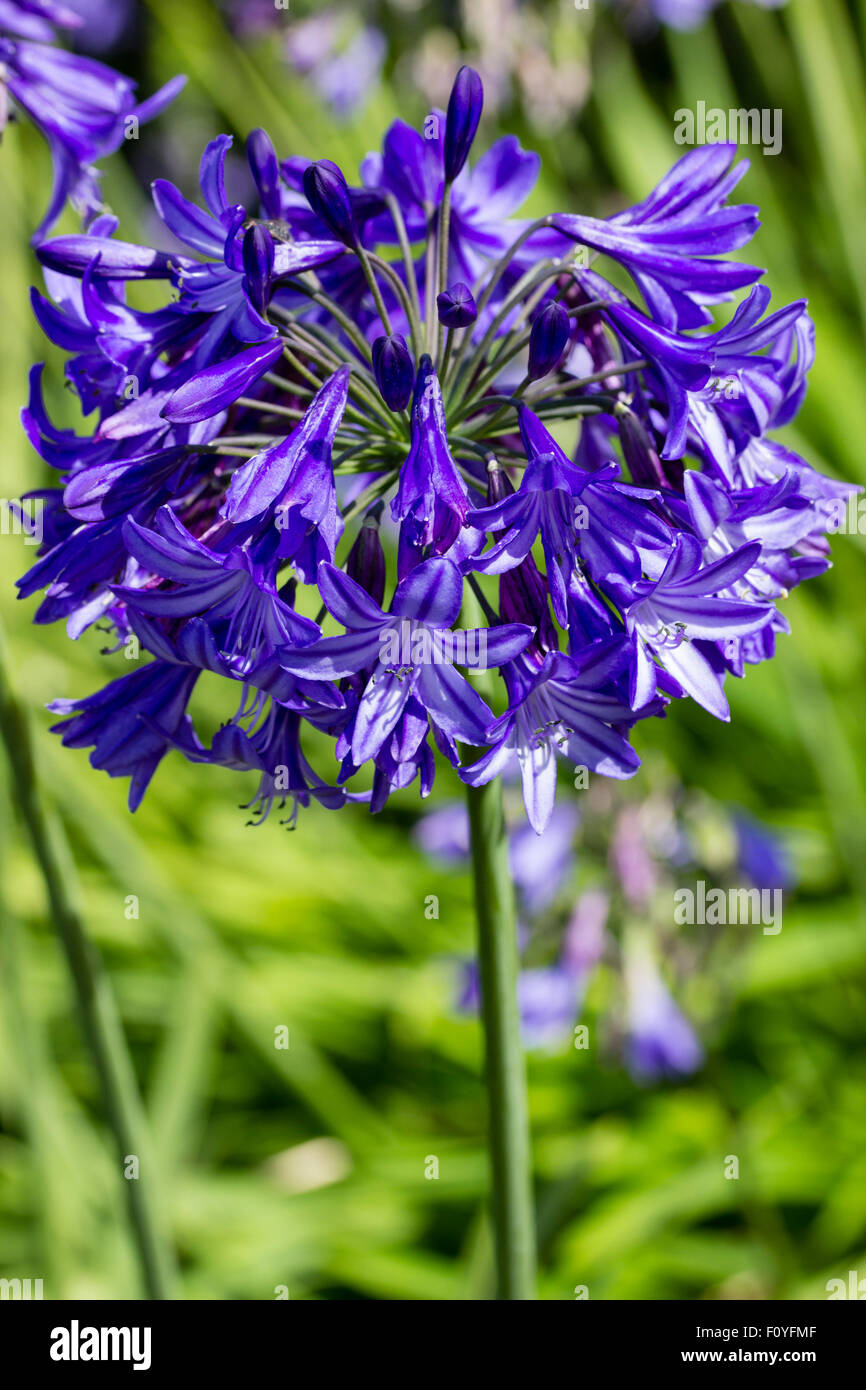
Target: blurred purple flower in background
(547, 997)
(343, 67)
(540, 864)
(658, 1041)
(689, 14)
(661, 1042)
(634, 867)
(249, 18)
(637, 852)
(762, 854)
(104, 23)
(84, 109)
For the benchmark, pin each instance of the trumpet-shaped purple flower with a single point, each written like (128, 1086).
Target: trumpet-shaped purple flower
(272, 749)
(685, 603)
(572, 510)
(686, 365)
(232, 585)
(295, 479)
(562, 708)
(131, 723)
(84, 109)
(431, 498)
(671, 242)
(409, 651)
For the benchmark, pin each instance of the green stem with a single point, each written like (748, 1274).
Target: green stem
(505, 1066)
(354, 334)
(444, 234)
(411, 278)
(370, 277)
(446, 357)
(403, 296)
(101, 1024)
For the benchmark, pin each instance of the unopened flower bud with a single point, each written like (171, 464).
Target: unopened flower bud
(464, 113)
(523, 598)
(258, 258)
(366, 560)
(328, 195)
(498, 483)
(456, 306)
(547, 339)
(637, 447)
(394, 369)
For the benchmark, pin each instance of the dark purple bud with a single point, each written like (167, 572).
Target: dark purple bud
(464, 113)
(643, 462)
(394, 369)
(265, 171)
(258, 257)
(328, 195)
(499, 485)
(456, 306)
(547, 339)
(523, 590)
(523, 598)
(589, 329)
(366, 560)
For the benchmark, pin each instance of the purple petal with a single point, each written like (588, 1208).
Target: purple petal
(453, 704)
(380, 707)
(263, 480)
(108, 259)
(187, 222)
(502, 179)
(334, 657)
(346, 600)
(214, 388)
(432, 593)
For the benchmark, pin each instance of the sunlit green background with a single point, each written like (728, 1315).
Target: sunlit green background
(323, 930)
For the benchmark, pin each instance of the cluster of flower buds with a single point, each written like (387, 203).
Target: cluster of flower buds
(350, 409)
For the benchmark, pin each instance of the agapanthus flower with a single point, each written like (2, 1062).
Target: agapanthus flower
(644, 839)
(689, 14)
(762, 854)
(84, 109)
(330, 469)
(661, 1041)
(342, 59)
(104, 25)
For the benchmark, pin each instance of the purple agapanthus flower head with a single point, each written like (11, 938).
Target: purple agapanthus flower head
(328, 466)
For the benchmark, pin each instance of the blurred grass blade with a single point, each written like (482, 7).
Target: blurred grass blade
(100, 1021)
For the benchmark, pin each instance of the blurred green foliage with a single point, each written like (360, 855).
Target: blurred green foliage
(305, 1167)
